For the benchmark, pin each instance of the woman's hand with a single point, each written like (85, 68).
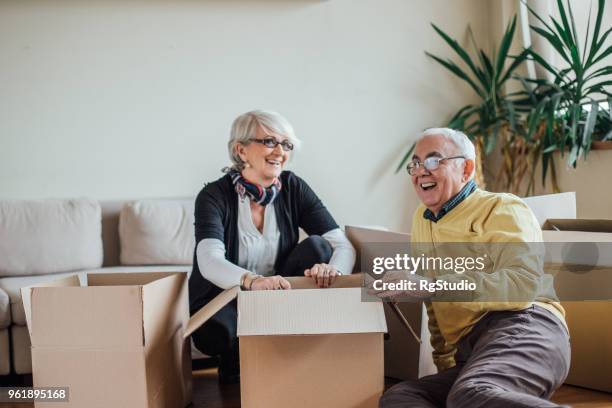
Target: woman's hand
(323, 274)
(270, 283)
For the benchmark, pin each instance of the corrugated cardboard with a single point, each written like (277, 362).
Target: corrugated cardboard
(117, 342)
(591, 334)
(405, 358)
(307, 347)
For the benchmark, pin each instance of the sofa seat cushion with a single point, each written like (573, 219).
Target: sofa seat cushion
(12, 286)
(49, 236)
(5, 352)
(157, 232)
(21, 350)
(5, 310)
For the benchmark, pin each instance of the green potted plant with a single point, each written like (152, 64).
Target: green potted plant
(567, 114)
(486, 74)
(578, 116)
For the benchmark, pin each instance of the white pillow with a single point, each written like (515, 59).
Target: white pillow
(49, 236)
(157, 232)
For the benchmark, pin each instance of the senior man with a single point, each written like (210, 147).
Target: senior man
(488, 354)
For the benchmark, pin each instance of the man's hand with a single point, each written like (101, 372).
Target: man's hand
(323, 274)
(395, 277)
(270, 283)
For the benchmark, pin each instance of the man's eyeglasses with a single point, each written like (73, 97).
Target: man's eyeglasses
(272, 143)
(430, 163)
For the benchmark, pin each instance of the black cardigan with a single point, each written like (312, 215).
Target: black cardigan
(216, 216)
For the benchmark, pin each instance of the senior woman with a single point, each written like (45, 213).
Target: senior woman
(246, 228)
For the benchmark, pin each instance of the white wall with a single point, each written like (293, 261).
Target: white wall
(129, 99)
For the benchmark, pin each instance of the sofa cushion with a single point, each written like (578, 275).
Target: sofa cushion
(21, 350)
(5, 352)
(49, 236)
(5, 310)
(157, 232)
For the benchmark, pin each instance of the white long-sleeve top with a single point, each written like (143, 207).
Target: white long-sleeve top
(257, 250)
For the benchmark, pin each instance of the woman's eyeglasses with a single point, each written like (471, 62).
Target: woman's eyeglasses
(430, 163)
(272, 143)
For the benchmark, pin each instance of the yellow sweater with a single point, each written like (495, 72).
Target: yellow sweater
(490, 218)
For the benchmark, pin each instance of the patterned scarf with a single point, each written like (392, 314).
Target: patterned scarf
(261, 195)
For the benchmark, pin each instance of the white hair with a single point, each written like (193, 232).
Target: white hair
(458, 138)
(245, 127)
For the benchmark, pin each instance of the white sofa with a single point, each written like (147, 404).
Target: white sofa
(48, 239)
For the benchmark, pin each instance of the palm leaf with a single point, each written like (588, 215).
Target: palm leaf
(566, 25)
(554, 40)
(533, 13)
(540, 60)
(599, 87)
(571, 45)
(586, 36)
(405, 158)
(458, 120)
(518, 60)
(573, 27)
(600, 72)
(462, 54)
(504, 48)
(589, 126)
(458, 72)
(604, 54)
(485, 62)
(595, 45)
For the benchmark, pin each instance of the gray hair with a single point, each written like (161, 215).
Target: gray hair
(245, 127)
(458, 138)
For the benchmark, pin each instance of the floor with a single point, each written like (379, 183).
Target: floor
(207, 393)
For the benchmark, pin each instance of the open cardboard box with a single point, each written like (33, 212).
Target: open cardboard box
(116, 342)
(588, 320)
(406, 357)
(306, 347)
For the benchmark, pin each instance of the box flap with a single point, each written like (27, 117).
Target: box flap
(297, 282)
(212, 307)
(165, 308)
(582, 225)
(562, 205)
(344, 281)
(360, 237)
(308, 311)
(26, 293)
(126, 279)
(87, 317)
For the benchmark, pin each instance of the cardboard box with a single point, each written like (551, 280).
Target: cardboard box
(590, 332)
(405, 357)
(307, 347)
(117, 342)
(560, 205)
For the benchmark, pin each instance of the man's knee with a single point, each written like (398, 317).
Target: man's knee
(401, 394)
(472, 393)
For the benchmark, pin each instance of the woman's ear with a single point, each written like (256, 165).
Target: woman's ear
(239, 148)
